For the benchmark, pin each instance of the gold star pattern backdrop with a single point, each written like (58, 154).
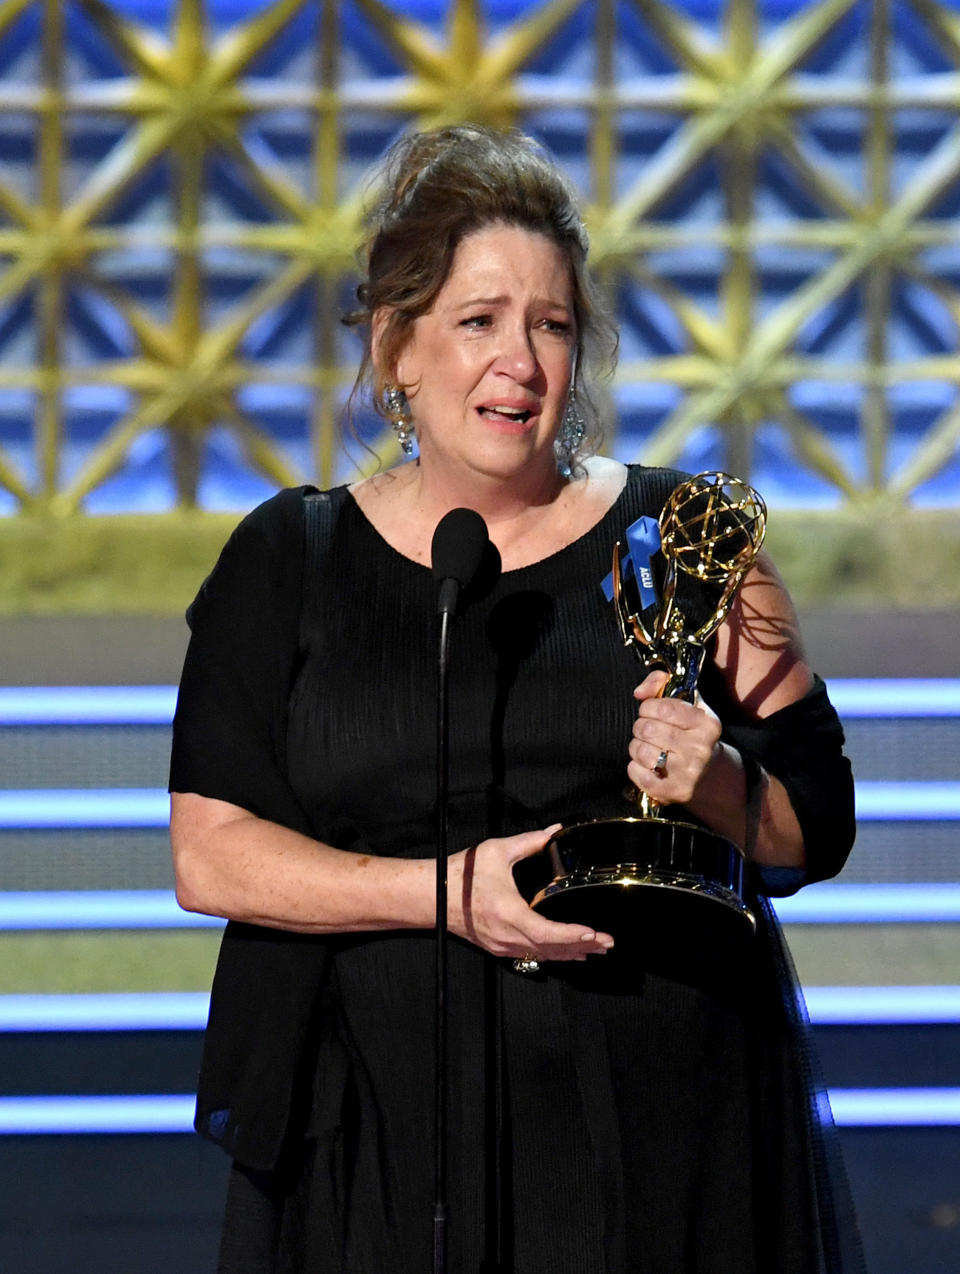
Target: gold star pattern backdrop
(771, 192)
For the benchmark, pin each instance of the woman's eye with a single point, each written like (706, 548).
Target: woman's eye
(477, 320)
(557, 326)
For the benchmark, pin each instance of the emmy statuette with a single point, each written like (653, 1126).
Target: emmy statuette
(648, 875)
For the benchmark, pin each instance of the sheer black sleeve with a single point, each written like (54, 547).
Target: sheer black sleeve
(802, 746)
(229, 731)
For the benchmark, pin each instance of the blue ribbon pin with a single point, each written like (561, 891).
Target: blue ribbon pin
(643, 540)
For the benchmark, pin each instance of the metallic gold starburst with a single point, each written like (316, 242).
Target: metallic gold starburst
(740, 97)
(738, 92)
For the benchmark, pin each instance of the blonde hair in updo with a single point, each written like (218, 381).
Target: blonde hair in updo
(438, 187)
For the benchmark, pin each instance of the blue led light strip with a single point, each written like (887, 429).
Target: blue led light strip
(157, 909)
(154, 705)
(173, 1113)
(150, 807)
(149, 1113)
(85, 807)
(877, 1005)
(871, 904)
(907, 802)
(99, 909)
(111, 1011)
(87, 705)
(896, 696)
(187, 1010)
(895, 1107)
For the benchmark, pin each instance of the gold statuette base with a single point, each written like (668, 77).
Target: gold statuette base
(647, 879)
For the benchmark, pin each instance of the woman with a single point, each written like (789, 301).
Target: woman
(606, 1117)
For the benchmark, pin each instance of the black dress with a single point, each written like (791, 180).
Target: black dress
(615, 1118)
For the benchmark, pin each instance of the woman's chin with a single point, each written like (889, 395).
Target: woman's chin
(512, 453)
(499, 456)
(507, 463)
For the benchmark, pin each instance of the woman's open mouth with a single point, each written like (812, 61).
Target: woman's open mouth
(509, 419)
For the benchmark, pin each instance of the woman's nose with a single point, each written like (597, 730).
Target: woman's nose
(517, 355)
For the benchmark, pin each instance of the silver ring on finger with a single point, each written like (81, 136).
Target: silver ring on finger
(659, 766)
(528, 963)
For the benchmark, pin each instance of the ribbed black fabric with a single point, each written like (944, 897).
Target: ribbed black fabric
(654, 1119)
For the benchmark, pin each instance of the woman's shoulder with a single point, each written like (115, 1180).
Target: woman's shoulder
(265, 549)
(283, 508)
(640, 489)
(655, 475)
(606, 474)
(278, 521)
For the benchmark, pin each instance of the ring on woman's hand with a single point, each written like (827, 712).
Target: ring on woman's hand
(659, 766)
(527, 963)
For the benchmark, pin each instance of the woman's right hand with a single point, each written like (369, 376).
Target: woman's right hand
(485, 906)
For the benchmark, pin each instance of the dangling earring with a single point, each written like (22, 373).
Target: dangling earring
(569, 436)
(398, 413)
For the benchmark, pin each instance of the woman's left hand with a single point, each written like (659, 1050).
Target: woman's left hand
(687, 733)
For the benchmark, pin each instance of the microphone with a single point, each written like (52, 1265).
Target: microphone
(459, 546)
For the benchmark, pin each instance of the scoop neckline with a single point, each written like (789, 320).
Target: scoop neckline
(515, 571)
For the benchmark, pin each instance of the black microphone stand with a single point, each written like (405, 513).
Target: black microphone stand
(440, 1039)
(459, 544)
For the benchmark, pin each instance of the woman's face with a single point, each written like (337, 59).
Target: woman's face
(487, 370)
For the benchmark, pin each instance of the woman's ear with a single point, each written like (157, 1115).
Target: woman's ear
(385, 356)
(378, 327)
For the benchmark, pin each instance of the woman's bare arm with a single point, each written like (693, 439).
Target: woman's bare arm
(230, 863)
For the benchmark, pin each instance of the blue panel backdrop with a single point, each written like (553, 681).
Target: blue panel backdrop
(771, 190)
